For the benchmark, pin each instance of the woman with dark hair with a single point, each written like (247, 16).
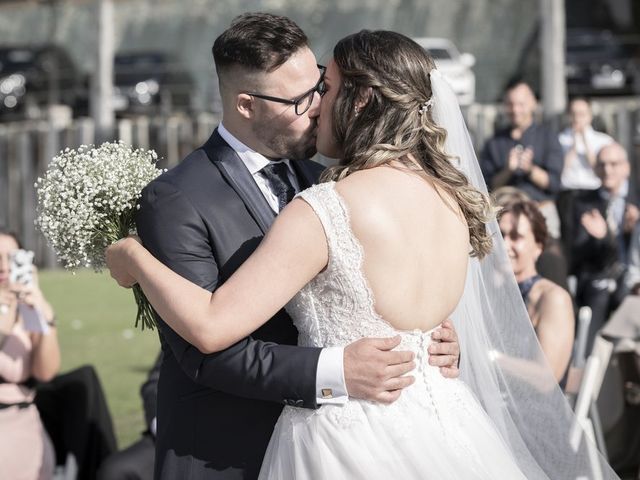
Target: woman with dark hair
(25, 448)
(549, 306)
(389, 244)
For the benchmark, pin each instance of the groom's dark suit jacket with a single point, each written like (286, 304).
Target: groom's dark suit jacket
(216, 413)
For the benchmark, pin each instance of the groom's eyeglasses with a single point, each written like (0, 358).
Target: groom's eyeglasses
(304, 101)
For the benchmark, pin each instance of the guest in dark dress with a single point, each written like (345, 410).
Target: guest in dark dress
(549, 305)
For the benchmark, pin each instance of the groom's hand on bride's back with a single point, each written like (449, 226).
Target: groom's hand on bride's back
(374, 371)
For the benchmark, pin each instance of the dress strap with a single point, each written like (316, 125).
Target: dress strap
(328, 206)
(526, 285)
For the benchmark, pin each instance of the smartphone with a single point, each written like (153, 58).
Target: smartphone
(21, 271)
(21, 267)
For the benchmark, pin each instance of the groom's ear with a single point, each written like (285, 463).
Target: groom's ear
(363, 97)
(244, 105)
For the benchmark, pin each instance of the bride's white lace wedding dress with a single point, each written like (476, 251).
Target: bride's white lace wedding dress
(436, 430)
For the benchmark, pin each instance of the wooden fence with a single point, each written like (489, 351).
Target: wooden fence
(27, 147)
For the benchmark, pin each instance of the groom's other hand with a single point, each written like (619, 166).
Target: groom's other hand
(374, 371)
(444, 352)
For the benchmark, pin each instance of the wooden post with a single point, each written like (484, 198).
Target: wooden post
(173, 141)
(141, 129)
(49, 138)
(125, 131)
(13, 180)
(27, 199)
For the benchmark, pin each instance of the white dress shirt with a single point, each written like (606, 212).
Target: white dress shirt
(579, 173)
(330, 384)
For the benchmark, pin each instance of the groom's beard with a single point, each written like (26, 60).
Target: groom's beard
(284, 144)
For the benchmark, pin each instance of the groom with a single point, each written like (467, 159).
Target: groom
(204, 218)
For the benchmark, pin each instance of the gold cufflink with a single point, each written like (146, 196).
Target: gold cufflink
(327, 393)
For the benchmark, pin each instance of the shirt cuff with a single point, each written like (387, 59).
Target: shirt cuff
(330, 385)
(153, 426)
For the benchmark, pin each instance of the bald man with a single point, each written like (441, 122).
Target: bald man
(603, 221)
(525, 155)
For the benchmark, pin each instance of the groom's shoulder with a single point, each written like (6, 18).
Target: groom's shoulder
(196, 169)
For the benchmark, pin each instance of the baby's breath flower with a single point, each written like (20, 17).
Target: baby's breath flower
(87, 200)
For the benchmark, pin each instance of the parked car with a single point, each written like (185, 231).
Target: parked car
(147, 82)
(32, 77)
(455, 66)
(597, 63)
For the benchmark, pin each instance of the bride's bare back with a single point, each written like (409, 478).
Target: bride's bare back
(415, 242)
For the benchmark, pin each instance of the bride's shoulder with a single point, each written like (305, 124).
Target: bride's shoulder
(373, 195)
(360, 185)
(366, 179)
(385, 182)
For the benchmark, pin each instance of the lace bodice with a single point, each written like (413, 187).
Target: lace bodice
(337, 307)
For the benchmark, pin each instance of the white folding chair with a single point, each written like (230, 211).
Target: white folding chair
(587, 420)
(578, 359)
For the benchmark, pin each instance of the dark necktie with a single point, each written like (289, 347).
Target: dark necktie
(276, 175)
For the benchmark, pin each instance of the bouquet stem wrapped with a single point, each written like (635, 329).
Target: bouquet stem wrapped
(87, 200)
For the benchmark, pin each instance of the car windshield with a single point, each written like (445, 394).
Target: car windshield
(590, 46)
(133, 68)
(139, 60)
(15, 60)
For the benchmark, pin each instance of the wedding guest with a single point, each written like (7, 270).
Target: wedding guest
(25, 448)
(552, 262)
(549, 305)
(526, 154)
(581, 145)
(602, 223)
(74, 411)
(136, 461)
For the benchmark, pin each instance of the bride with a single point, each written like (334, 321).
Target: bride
(390, 244)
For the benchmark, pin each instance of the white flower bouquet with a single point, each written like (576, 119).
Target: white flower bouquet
(87, 200)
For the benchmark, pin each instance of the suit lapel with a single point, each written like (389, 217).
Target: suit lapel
(239, 178)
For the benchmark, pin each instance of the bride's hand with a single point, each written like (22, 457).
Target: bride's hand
(118, 258)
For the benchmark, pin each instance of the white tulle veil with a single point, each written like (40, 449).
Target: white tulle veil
(501, 358)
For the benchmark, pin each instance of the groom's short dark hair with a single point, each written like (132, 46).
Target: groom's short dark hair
(258, 41)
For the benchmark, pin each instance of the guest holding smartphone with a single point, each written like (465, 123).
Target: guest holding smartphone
(28, 350)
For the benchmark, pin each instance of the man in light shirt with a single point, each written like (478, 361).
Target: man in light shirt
(204, 218)
(581, 145)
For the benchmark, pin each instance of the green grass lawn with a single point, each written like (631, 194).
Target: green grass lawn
(96, 326)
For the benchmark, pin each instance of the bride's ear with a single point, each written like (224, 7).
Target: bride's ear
(363, 98)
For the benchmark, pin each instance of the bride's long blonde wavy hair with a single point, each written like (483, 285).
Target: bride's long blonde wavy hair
(394, 124)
